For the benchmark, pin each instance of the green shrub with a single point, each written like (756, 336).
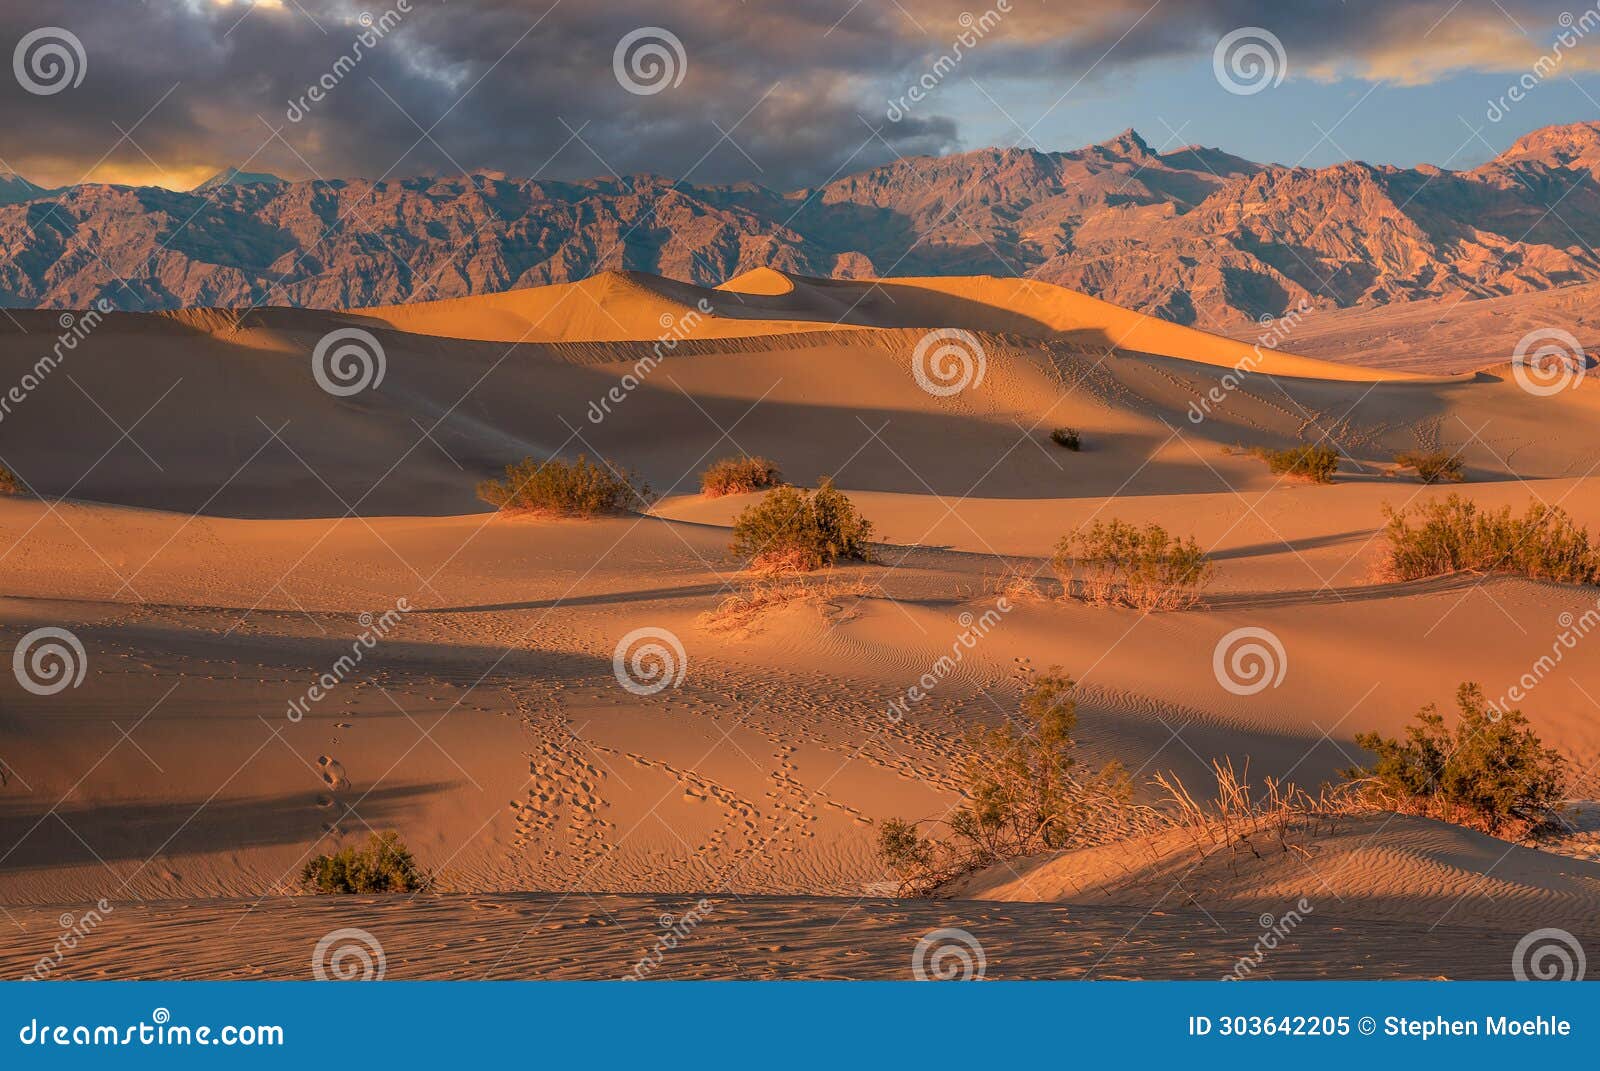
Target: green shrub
(795, 530)
(739, 475)
(1118, 564)
(576, 489)
(1433, 467)
(1314, 463)
(1067, 438)
(9, 484)
(1024, 794)
(1437, 537)
(384, 865)
(1493, 772)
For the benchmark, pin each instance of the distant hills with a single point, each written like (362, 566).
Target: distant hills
(1195, 235)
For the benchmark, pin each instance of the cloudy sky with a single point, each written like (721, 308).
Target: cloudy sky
(781, 92)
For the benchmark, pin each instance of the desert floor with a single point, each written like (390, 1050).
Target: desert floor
(217, 530)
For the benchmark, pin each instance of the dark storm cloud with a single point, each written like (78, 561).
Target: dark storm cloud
(799, 86)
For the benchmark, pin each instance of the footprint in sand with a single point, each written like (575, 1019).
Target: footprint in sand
(332, 772)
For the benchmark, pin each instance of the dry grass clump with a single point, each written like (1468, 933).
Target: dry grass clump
(1240, 820)
(739, 475)
(578, 488)
(792, 530)
(742, 607)
(1436, 538)
(1314, 463)
(1117, 564)
(1434, 466)
(9, 484)
(383, 865)
(1493, 773)
(1017, 584)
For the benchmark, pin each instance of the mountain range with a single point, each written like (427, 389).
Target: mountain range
(1195, 235)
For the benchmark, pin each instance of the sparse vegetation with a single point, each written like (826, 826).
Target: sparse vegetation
(9, 484)
(578, 488)
(1314, 463)
(742, 607)
(793, 530)
(1117, 564)
(739, 475)
(1024, 794)
(1435, 466)
(1436, 538)
(1067, 438)
(1493, 772)
(383, 865)
(1017, 583)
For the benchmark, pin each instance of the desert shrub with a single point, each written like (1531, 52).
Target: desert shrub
(793, 530)
(9, 484)
(571, 488)
(1024, 795)
(383, 865)
(1447, 536)
(739, 475)
(1314, 463)
(1433, 467)
(1066, 438)
(1118, 564)
(1492, 772)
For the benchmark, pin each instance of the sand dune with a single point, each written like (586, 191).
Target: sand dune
(212, 525)
(546, 936)
(227, 420)
(1384, 867)
(629, 306)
